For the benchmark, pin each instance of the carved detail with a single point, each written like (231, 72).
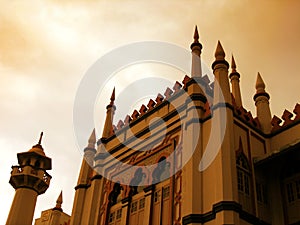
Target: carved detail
(135, 115)
(159, 98)
(177, 86)
(186, 79)
(143, 110)
(151, 104)
(168, 93)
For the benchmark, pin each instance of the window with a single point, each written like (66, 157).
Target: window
(119, 214)
(133, 207)
(244, 182)
(162, 171)
(136, 184)
(240, 180)
(166, 192)
(142, 203)
(261, 193)
(156, 196)
(111, 217)
(243, 174)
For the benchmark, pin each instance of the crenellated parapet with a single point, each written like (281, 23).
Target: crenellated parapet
(288, 119)
(244, 115)
(168, 96)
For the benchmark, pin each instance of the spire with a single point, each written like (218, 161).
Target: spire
(112, 98)
(261, 99)
(235, 83)
(92, 139)
(233, 65)
(39, 144)
(110, 110)
(196, 48)
(219, 54)
(196, 35)
(59, 202)
(260, 85)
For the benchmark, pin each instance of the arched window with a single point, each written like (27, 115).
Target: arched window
(115, 209)
(37, 164)
(244, 181)
(136, 184)
(114, 195)
(162, 171)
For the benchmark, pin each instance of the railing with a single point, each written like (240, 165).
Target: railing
(30, 170)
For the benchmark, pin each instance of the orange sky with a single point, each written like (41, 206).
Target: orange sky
(47, 46)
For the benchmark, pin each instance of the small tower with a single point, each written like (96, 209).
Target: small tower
(29, 179)
(54, 216)
(221, 85)
(263, 111)
(235, 83)
(196, 48)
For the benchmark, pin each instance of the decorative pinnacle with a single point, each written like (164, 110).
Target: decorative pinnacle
(196, 40)
(196, 35)
(41, 137)
(219, 54)
(233, 65)
(260, 85)
(112, 98)
(39, 144)
(59, 201)
(92, 139)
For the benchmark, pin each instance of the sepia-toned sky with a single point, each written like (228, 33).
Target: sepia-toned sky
(47, 46)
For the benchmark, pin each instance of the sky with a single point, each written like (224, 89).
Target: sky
(46, 47)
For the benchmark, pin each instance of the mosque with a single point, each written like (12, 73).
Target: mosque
(210, 162)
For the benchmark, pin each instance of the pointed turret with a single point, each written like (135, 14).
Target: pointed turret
(59, 202)
(235, 83)
(220, 67)
(196, 48)
(261, 99)
(110, 110)
(90, 150)
(84, 178)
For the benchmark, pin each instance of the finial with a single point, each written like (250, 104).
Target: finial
(59, 202)
(219, 54)
(112, 98)
(92, 139)
(196, 41)
(233, 65)
(196, 35)
(260, 85)
(41, 136)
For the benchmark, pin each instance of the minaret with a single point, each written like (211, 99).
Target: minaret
(29, 179)
(83, 179)
(235, 83)
(196, 48)
(107, 129)
(263, 111)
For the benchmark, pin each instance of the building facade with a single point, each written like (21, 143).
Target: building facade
(207, 161)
